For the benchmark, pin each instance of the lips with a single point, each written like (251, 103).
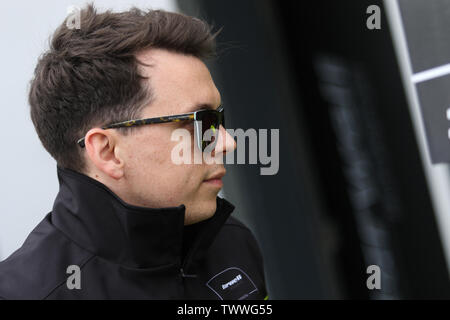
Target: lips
(215, 181)
(216, 176)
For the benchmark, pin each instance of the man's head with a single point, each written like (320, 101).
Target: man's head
(123, 66)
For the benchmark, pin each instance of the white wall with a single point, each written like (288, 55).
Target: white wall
(28, 181)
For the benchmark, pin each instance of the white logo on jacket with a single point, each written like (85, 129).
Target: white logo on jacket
(230, 283)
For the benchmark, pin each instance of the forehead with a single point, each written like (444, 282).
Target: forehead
(178, 82)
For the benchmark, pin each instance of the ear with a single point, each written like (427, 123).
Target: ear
(103, 151)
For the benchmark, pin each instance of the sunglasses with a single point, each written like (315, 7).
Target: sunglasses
(204, 120)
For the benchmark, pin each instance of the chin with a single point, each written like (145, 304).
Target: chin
(202, 212)
(208, 210)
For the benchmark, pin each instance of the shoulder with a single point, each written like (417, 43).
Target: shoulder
(234, 222)
(236, 227)
(236, 233)
(39, 266)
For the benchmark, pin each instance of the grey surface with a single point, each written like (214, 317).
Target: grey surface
(434, 97)
(427, 25)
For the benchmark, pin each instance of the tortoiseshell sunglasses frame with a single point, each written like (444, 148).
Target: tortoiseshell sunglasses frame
(195, 116)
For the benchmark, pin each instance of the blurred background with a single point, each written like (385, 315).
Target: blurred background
(363, 112)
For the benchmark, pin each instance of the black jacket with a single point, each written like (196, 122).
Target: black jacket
(128, 252)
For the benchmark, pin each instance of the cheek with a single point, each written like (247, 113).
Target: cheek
(154, 175)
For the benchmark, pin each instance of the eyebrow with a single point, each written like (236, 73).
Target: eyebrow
(201, 106)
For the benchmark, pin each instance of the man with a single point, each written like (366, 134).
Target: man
(128, 222)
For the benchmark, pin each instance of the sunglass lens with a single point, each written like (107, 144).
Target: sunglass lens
(210, 121)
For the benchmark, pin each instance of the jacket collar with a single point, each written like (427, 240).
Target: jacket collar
(96, 219)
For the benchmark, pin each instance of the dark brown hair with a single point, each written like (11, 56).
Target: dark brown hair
(90, 76)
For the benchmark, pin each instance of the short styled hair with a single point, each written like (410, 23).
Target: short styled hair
(90, 75)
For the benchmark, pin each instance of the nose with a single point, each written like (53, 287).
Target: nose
(225, 142)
